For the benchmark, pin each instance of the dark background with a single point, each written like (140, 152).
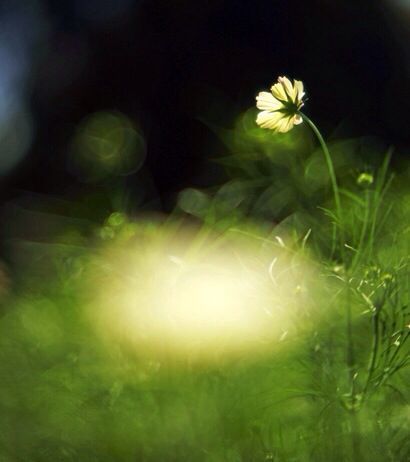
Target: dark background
(168, 65)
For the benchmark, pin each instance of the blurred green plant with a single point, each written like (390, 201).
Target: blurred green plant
(328, 391)
(105, 145)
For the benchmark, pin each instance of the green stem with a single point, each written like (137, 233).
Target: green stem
(373, 355)
(330, 168)
(396, 352)
(363, 233)
(350, 356)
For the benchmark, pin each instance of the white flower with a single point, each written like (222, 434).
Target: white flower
(280, 108)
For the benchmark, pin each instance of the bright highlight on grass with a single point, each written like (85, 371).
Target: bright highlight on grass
(177, 297)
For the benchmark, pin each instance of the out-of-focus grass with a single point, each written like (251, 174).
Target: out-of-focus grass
(69, 395)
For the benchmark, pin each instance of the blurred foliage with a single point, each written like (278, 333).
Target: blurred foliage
(106, 144)
(68, 396)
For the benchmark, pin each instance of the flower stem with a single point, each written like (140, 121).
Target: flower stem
(375, 348)
(331, 170)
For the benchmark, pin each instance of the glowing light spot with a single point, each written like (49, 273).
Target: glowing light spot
(175, 293)
(106, 144)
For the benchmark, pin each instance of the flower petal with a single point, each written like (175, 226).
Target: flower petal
(268, 119)
(300, 91)
(285, 125)
(279, 109)
(288, 87)
(267, 102)
(278, 91)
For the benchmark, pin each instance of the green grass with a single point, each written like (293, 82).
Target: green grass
(335, 390)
